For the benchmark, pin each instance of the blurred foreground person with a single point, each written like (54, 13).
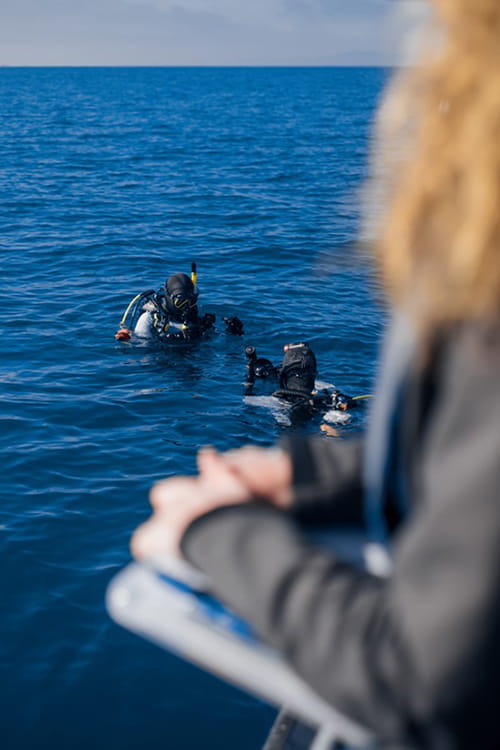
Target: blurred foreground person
(413, 655)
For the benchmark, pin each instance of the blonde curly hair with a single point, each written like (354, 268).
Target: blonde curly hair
(439, 246)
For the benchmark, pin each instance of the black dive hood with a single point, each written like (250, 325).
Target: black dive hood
(298, 368)
(181, 298)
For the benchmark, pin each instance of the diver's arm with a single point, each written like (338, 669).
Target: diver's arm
(207, 322)
(326, 479)
(234, 325)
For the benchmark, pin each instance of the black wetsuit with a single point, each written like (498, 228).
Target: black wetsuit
(296, 376)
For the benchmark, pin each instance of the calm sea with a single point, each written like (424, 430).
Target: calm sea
(110, 180)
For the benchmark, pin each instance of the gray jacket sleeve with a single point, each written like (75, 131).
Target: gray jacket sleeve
(415, 657)
(326, 480)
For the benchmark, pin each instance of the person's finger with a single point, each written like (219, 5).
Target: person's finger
(173, 491)
(266, 472)
(208, 460)
(221, 487)
(154, 538)
(246, 452)
(217, 474)
(255, 465)
(246, 461)
(329, 430)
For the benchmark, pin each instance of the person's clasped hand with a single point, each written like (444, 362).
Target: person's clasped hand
(224, 479)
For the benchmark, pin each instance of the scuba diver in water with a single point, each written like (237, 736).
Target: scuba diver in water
(171, 314)
(297, 377)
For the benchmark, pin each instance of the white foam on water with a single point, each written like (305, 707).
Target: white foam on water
(320, 384)
(278, 408)
(334, 416)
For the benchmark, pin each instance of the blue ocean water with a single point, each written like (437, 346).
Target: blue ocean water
(111, 179)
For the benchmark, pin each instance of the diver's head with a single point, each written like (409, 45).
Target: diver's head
(298, 368)
(181, 298)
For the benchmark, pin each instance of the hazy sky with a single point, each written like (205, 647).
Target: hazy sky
(206, 32)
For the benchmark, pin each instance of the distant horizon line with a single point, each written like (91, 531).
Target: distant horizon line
(211, 65)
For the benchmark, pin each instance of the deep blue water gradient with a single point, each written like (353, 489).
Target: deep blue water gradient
(110, 179)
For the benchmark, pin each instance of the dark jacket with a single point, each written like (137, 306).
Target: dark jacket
(416, 656)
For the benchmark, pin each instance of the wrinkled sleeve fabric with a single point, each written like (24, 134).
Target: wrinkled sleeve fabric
(327, 485)
(415, 657)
